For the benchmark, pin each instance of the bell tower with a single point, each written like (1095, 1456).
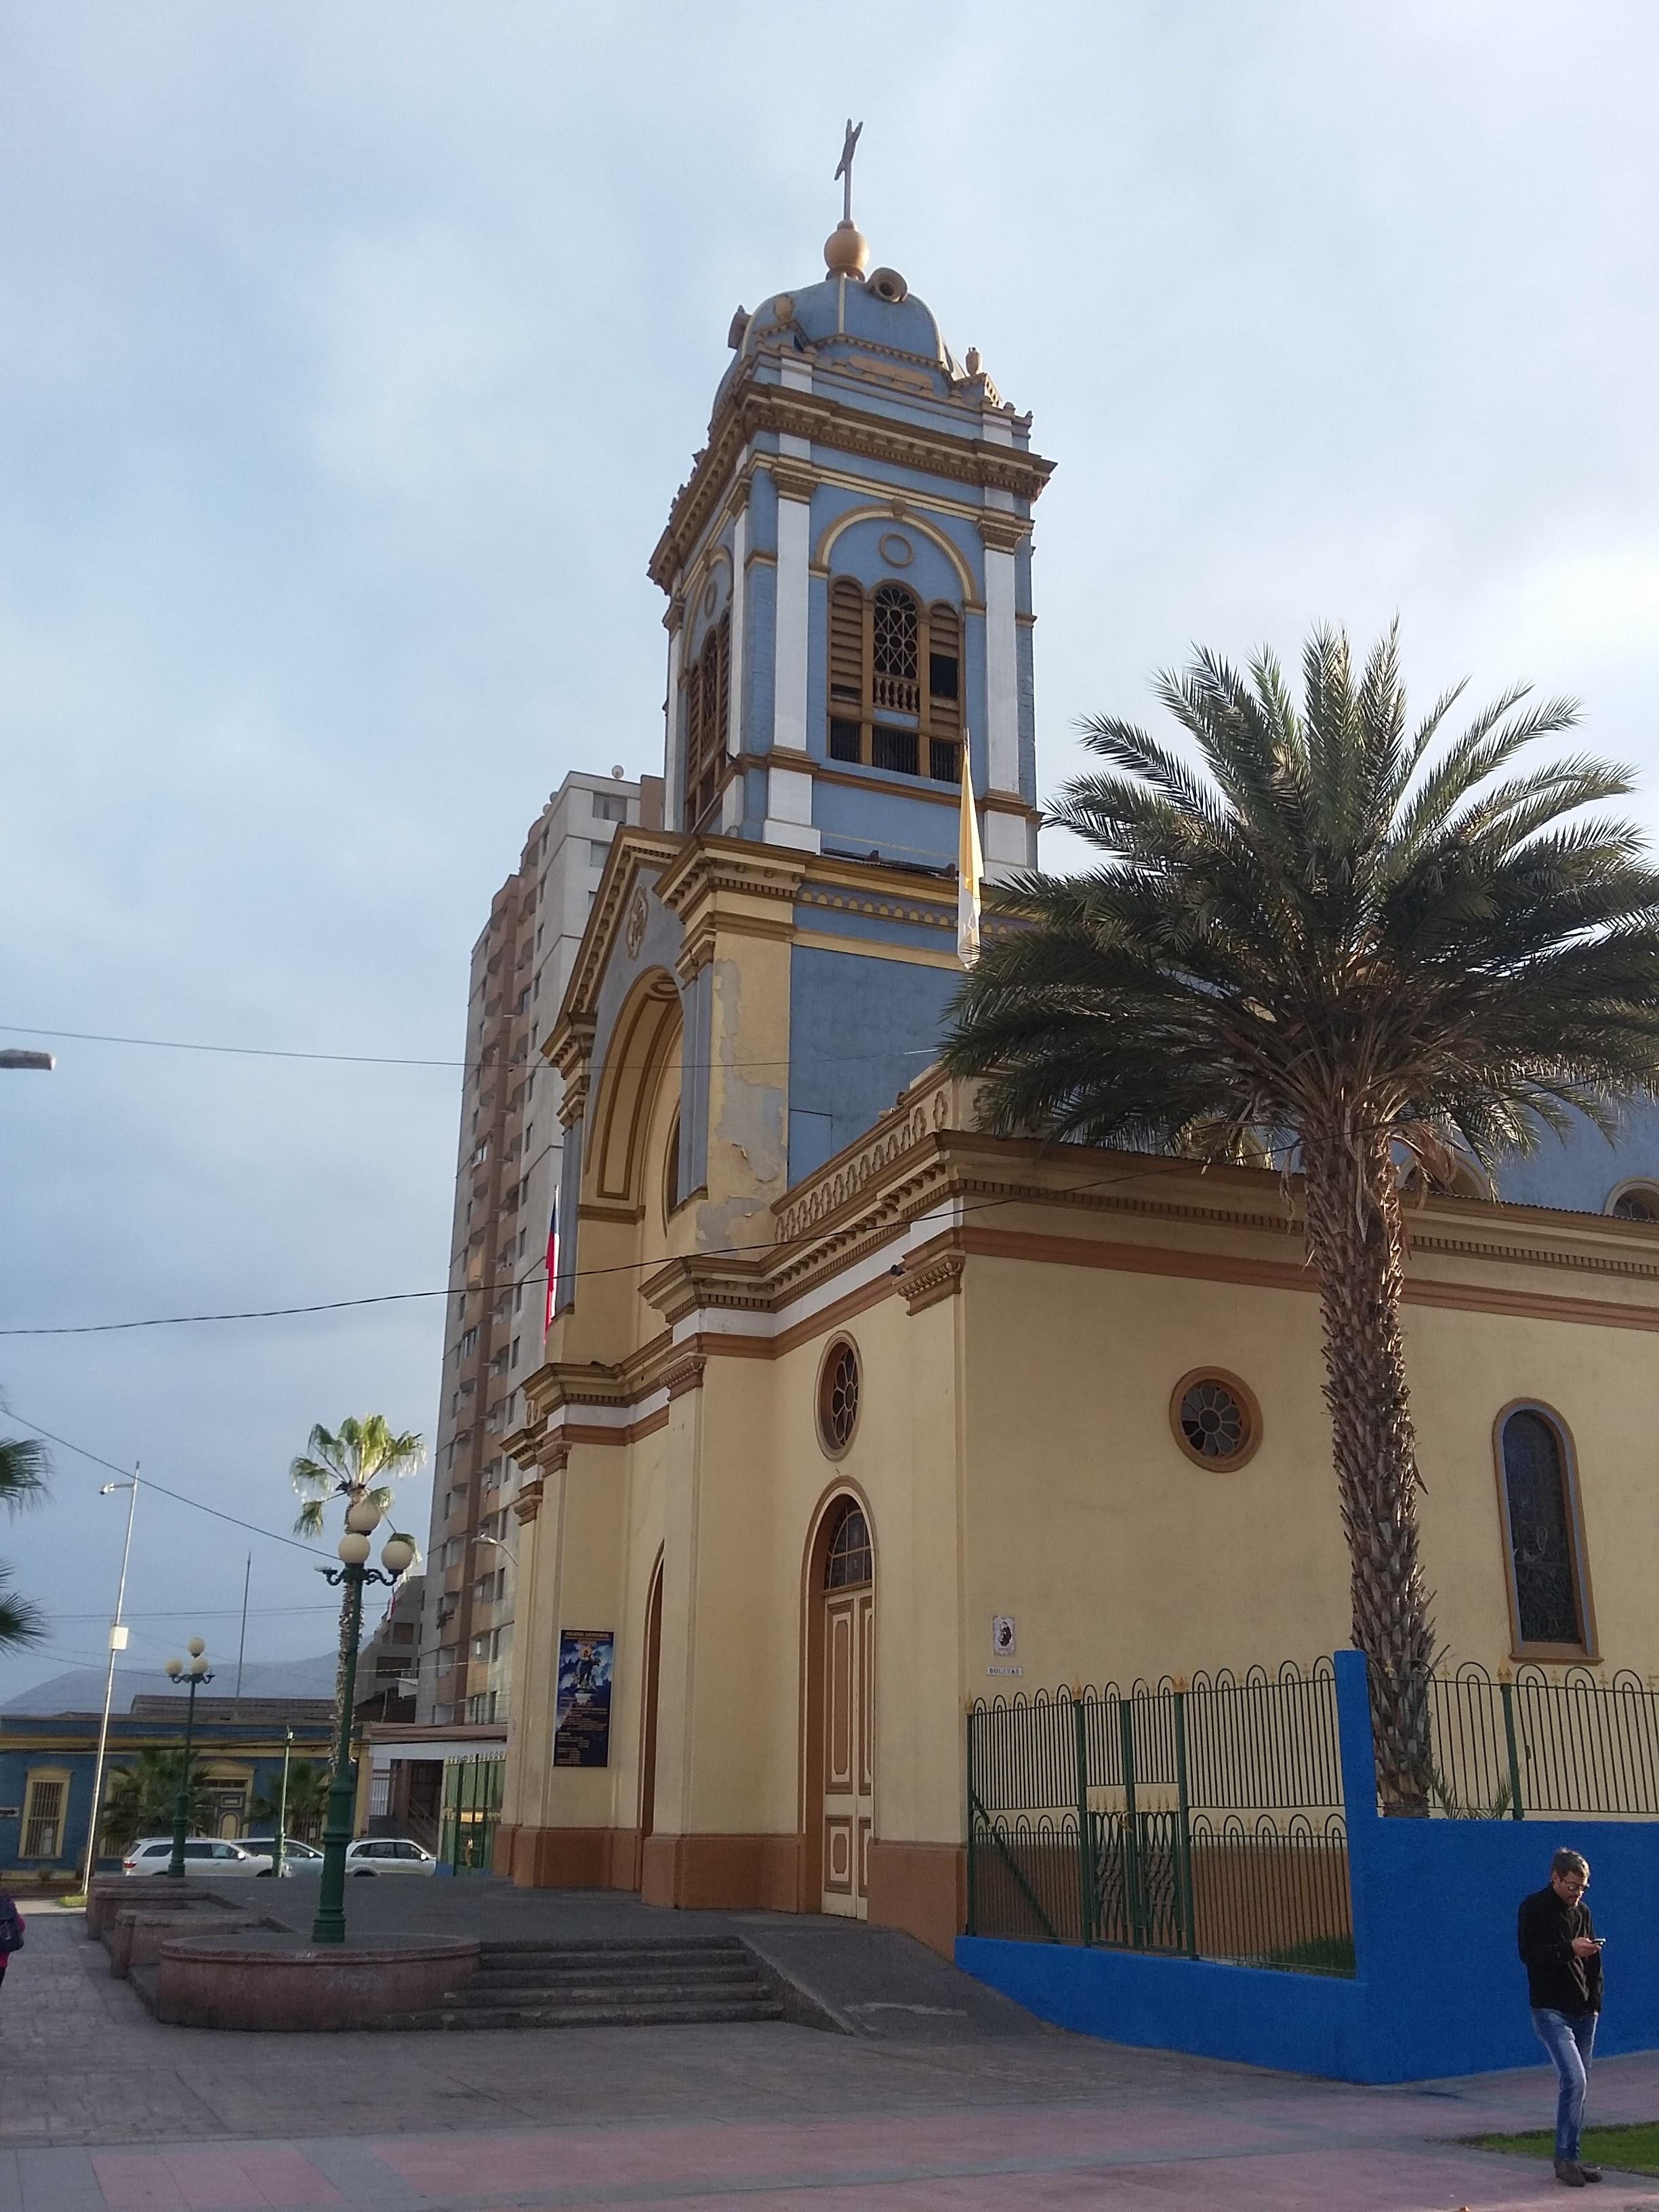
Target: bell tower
(847, 570)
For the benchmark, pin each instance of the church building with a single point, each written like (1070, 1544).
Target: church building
(851, 1413)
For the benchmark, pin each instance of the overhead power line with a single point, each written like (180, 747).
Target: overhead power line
(513, 1282)
(405, 1060)
(179, 1497)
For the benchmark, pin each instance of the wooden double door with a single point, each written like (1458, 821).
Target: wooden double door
(848, 1627)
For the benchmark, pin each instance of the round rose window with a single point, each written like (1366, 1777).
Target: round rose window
(1215, 1418)
(838, 1397)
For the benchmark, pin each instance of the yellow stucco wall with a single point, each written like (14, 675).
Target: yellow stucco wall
(1015, 1449)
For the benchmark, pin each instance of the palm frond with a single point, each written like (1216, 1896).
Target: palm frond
(25, 1464)
(21, 1621)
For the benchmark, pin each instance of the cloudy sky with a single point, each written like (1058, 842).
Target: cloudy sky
(349, 355)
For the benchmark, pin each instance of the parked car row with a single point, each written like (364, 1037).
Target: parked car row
(211, 1855)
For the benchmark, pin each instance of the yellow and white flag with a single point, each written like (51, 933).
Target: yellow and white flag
(970, 866)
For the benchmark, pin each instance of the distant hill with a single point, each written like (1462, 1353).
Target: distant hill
(80, 1690)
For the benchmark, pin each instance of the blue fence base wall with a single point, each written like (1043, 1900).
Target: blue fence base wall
(1440, 1989)
(1298, 2023)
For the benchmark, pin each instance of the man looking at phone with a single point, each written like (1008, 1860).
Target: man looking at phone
(1561, 1953)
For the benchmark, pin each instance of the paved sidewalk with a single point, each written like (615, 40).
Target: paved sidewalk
(103, 2110)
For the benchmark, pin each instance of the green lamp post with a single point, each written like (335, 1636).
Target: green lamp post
(194, 1671)
(396, 1557)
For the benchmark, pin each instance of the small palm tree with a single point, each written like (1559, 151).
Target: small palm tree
(23, 1468)
(141, 1797)
(307, 1801)
(359, 1461)
(1323, 942)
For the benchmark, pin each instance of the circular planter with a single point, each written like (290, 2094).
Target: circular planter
(276, 1984)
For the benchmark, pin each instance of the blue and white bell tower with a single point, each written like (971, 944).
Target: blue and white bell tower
(849, 585)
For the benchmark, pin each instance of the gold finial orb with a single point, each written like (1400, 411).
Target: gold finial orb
(846, 251)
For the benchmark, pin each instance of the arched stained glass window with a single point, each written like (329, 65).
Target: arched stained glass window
(1544, 1565)
(850, 1561)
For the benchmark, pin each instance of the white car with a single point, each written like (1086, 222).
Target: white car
(297, 1858)
(388, 1855)
(203, 1854)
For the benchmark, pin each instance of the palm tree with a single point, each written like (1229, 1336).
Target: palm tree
(1325, 942)
(23, 1468)
(141, 1797)
(358, 1461)
(307, 1801)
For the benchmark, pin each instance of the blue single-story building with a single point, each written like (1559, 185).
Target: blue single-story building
(47, 1760)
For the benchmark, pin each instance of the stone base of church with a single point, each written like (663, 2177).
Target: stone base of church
(567, 1858)
(919, 1888)
(922, 1888)
(722, 1873)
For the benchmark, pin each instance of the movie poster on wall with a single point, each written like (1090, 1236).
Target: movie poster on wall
(581, 1734)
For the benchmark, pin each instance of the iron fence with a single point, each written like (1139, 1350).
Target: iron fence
(1535, 1743)
(1202, 1818)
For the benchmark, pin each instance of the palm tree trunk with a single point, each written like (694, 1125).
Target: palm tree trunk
(1357, 1241)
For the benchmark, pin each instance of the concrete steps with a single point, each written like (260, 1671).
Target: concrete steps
(703, 1981)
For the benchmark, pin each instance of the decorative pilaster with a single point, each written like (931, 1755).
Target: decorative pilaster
(1001, 534)
(674, 757)
(789, 792)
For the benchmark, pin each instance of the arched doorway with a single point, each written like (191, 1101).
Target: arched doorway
(650, 1675)
(840, 1753)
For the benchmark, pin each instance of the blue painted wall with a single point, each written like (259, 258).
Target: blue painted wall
(1440, 1990)
(1581, 1174)
(860, 1030)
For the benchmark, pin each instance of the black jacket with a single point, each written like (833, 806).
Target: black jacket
(1556, 1980)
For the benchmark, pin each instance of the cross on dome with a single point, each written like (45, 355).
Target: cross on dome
(846, 250)
(844, 167)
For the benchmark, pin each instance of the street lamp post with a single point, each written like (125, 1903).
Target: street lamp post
(396, 1557)
(194, 1672)
(282, 1806)
(117, 1644)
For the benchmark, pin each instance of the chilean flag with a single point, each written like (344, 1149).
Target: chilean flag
(552, 1263)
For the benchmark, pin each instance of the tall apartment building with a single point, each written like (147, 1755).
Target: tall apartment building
(506, 1178)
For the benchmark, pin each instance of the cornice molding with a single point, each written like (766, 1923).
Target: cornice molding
(723, 885)
(884, 909)
(929, 1281)
(793, 479)
(1002, 533)
(751, 407)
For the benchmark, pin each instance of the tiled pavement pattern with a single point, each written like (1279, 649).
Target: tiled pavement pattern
(102, 2110)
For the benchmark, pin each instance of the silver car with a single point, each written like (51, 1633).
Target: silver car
(203, 1854)
(389, 1855)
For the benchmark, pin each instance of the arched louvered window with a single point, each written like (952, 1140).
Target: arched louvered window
(1549, 1598)
(708, 691)
(895, 682)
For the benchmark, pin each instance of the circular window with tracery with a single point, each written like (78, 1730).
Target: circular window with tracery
(1635, 1201)
(1215, 1418)
(838, 1397)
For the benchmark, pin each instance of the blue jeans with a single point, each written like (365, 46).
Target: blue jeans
(1569, 2038)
